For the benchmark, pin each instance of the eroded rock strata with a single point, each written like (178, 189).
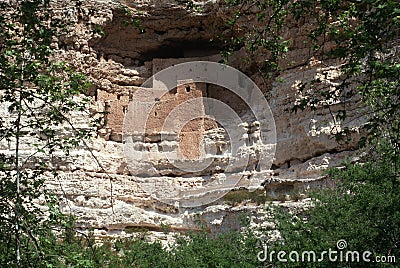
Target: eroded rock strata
(121, 45)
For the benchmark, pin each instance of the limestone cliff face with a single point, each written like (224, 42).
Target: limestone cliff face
(119, 46)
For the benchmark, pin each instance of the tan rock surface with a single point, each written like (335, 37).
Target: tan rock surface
(119, 50)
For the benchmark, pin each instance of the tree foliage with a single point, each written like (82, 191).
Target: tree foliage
(39, 93)
(362, 39)
(362, 210)
(362, 35)
(232, 249)
(37, 96)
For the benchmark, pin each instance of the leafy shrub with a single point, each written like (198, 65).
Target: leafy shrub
(363, 210)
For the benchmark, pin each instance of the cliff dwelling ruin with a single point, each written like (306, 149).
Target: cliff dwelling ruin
(109, 193)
